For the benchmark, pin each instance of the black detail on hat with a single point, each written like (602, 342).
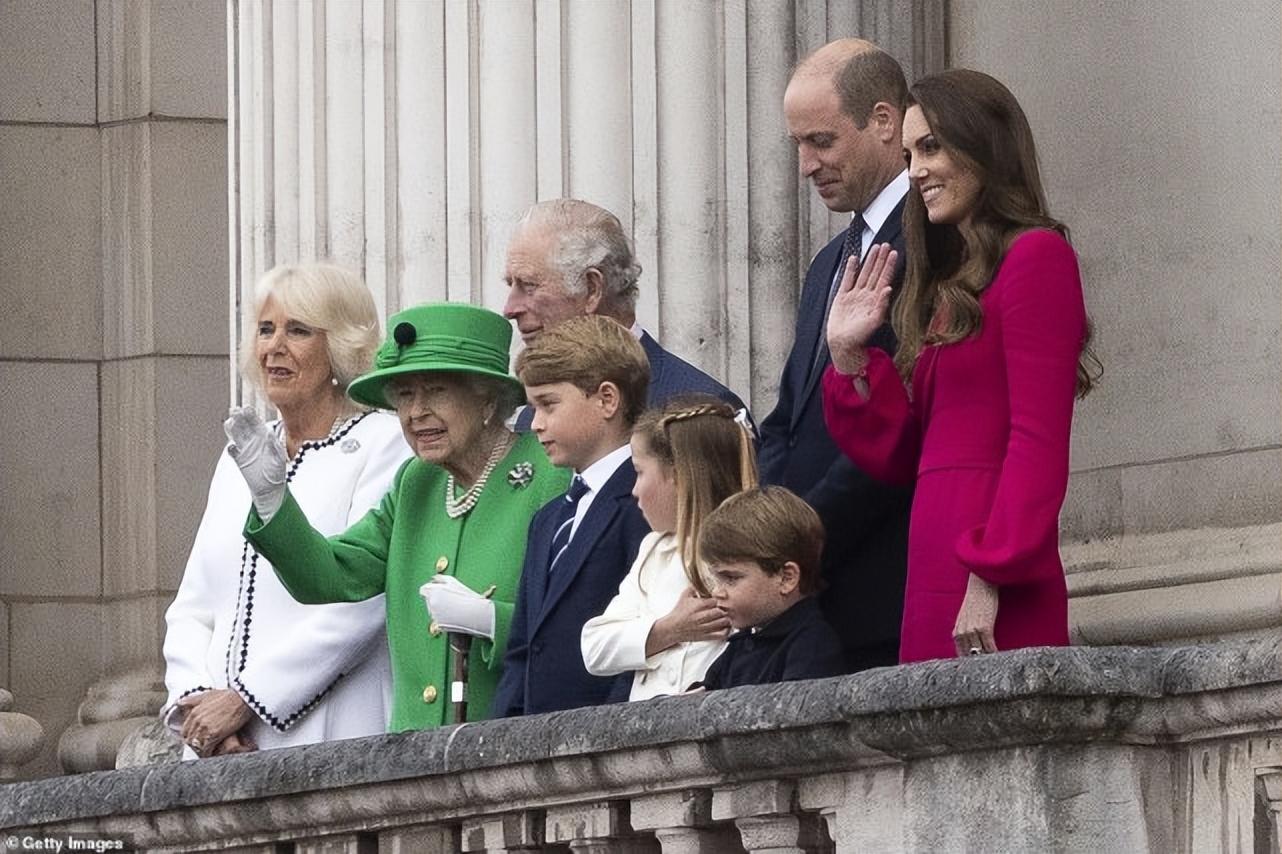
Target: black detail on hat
(405, 334)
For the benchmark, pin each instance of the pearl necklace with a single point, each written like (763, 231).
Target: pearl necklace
(455, 505)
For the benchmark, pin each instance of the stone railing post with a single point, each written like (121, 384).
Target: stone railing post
(423, 839)
(766, 815)
(115, 707)
(1268, 789)
(681, 821)
(350, 843)
(599, 828)
(504, 834)
(21, 738)
(863, 811)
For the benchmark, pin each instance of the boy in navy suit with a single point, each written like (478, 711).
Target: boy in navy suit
(762, 548)
(586, 381)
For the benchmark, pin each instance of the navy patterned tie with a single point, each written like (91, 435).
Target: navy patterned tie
(851, 247)
(565, 520)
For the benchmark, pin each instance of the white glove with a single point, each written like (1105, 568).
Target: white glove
(458, 608)
(260, 457)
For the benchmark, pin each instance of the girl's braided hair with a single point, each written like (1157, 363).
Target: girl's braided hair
(710, 450)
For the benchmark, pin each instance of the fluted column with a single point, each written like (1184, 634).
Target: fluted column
(406, 138)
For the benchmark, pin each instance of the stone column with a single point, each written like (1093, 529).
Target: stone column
(405, 138)
(113, 348)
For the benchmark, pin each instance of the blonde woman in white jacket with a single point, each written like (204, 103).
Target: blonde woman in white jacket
(663, 625)
(247, 666)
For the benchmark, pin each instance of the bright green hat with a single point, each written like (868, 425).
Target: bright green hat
(437, 336)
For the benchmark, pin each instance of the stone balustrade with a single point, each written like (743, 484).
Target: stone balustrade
(1080, 749)
(21, 737)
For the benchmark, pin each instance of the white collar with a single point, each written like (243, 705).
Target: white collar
(636, 330)
(596, 475)
(878, 210)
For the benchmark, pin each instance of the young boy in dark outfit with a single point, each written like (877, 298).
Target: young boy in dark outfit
(762, 548)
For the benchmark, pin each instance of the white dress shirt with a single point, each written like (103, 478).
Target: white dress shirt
(596, 476)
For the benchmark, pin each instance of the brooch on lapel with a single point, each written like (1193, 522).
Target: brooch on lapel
(349, 446)
(520, 475)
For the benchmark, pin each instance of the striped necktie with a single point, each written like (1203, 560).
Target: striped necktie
(565, 520)
(851, 247)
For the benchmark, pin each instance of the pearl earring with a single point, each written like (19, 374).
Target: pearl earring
(333, 381)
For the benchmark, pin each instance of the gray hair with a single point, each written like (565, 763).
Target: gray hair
(504, 396)
(588, 237)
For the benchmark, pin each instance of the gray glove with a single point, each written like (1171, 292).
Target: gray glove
(261, 459)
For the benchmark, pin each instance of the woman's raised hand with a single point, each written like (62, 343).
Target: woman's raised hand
(261, 459)
(859, 307)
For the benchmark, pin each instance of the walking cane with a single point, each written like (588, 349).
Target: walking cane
(461, 646)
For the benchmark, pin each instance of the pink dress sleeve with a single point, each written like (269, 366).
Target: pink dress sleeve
(880, 434)
(1043, 324)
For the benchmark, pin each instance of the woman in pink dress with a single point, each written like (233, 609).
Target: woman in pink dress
(992, 346)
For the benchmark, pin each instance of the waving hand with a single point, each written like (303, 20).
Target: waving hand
(860, 306)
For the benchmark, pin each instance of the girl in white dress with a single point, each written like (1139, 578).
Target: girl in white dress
(663, 625)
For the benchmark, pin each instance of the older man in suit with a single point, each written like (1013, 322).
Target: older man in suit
(844, 110)
(568, 258)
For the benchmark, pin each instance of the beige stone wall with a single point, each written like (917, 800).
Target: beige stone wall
(1159, 126)
(113, 365)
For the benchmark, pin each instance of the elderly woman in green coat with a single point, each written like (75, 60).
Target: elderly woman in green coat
(454, 523)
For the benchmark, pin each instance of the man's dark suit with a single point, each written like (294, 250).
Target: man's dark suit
(865, 555)
(670, 376)
(543, 670)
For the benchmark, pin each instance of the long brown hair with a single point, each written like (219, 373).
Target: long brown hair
(712, 457)
(982, 127)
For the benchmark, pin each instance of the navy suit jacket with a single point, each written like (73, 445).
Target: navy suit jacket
(865, 555)
(797, 644)
(543, 670)
(670, 375)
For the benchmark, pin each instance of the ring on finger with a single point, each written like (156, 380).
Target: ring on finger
(974, 650)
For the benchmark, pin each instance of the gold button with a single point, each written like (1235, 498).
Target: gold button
(434, 630)
(442, 563)
(429, 694)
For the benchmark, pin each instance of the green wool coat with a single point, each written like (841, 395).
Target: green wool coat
(397, 547)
